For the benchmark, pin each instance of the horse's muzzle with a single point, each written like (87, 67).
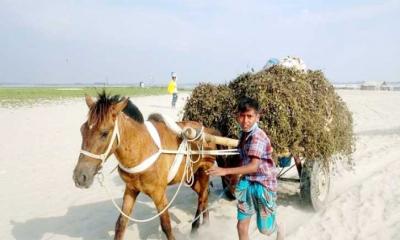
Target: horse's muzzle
(83, 178)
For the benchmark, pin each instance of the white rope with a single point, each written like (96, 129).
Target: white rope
(145, 164)
(103, 156)
(189, 168)
(101, 181)
(190, 180)
(176, 164)
(188, 173)
(198, 135)
(184, 149)
(204, 152)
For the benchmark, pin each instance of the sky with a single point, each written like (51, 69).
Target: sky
(127, 41)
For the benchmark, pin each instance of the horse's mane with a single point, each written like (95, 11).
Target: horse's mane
(133, 112)
(101, 108)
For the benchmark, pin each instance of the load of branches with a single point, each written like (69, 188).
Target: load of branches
(300, 111)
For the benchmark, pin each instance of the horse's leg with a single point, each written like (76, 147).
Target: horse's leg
(200, 186)
(161, 201)
(127, 206)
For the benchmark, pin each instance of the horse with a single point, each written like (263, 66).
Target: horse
(133, 145)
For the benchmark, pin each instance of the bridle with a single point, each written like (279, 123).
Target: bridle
(103, 156)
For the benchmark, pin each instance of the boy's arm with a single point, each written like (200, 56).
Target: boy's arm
(246, 169)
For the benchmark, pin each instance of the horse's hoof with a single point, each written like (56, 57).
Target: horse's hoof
(194, 231)
(206, 223)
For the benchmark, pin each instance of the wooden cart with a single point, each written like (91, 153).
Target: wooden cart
(313, 177)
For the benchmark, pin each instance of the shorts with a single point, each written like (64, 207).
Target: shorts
(252, 198)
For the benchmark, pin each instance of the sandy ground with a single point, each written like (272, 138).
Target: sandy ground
(40, 145)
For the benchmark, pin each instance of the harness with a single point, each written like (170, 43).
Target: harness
(184, 149)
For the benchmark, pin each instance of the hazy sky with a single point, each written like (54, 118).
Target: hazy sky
(127, 41)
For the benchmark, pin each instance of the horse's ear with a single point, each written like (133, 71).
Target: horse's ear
(89, 101)
(121, 105)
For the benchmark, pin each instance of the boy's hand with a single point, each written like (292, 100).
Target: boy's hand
(216, 171)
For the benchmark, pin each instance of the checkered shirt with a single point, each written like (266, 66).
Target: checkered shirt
(257, 144)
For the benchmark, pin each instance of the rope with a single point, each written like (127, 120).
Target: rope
(188, 173)
(204, 152)
(101, 181)
(199, 135)
(100, 178)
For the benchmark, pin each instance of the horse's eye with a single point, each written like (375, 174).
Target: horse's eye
(104, 134)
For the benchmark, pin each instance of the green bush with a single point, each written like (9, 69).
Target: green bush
(300, 111)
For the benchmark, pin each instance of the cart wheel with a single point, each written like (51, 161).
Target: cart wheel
(315, 184)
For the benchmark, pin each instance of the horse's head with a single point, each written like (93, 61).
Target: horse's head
(97, 134)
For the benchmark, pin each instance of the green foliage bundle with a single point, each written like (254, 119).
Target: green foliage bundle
(300, 111)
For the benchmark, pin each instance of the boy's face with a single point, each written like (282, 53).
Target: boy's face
(247, 119)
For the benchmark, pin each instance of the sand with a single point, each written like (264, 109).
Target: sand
(40, 146)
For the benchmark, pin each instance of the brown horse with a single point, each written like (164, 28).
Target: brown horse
(134, 145)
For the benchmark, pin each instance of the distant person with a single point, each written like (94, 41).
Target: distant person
(173, 89)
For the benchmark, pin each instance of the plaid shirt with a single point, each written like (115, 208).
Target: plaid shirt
(257, 144)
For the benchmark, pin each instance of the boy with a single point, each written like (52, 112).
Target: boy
(256, 191)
